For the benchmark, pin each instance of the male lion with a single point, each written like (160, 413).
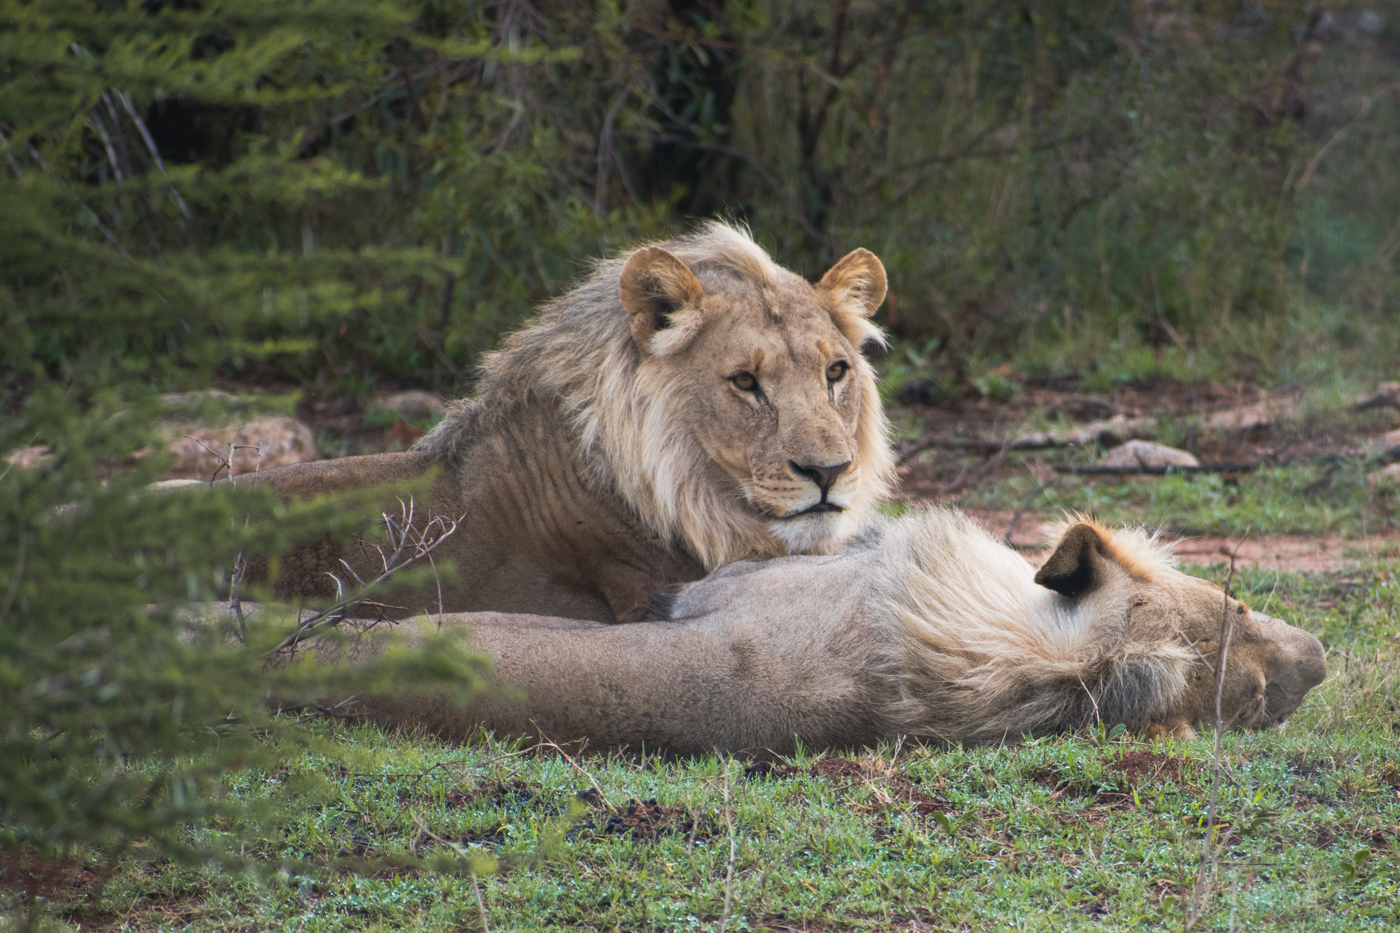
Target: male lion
(690, 404)
(924, 627)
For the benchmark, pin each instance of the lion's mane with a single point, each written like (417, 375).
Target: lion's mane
(979, 652)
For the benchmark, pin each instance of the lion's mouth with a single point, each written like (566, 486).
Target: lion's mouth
(816, 508)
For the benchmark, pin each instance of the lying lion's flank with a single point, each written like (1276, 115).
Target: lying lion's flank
(924, 627)
(690, 404)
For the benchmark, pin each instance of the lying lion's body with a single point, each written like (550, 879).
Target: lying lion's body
(925, 627)
(609, 450)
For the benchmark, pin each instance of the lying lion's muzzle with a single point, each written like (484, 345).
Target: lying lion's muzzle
(1303, 665)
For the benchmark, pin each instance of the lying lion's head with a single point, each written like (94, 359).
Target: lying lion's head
(1172, 626)
(724, 398)
(1107, 631)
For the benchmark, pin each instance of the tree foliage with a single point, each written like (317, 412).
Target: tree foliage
(379, 189)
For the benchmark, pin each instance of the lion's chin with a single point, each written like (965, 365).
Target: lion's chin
(813, 532)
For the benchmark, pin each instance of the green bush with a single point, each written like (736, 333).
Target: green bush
(125, 271)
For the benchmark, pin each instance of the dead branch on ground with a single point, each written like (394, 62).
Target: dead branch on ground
(1239, 418)
(1331, 461)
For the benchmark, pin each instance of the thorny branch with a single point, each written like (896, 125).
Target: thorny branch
(226, 463)
(235, 603)
(408, 545)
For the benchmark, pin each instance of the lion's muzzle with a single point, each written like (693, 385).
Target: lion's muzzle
(1301, 665)
(824, 478)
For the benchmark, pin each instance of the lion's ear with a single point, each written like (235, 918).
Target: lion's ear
(654, 286)
(1079, 564)
(859, 275)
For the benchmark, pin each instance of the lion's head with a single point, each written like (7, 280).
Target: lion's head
(1175, 624)
(724, 398)
(1108, 630)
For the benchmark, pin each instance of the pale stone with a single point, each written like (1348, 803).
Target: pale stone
(1388, 475)
(27, 458)
(1148, 454)
(195, 398)
(1390, 440)
(173, 484)
(412, 404)
(264, 443)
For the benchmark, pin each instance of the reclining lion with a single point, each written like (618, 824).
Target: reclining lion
(925, 627)
(688, 405)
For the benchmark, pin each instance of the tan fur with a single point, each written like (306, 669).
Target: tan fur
(606, 452)
(925, 627)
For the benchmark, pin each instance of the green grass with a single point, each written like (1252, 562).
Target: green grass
(1052, 834)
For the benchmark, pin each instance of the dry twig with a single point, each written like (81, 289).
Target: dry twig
(1210, 849)
(1025, 507)
(733, 851)
(480, 904)
(546, 742)
(409, 545)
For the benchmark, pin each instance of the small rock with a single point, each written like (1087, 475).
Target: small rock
(173, 484)
(413, 404)
(27, 458)
(180, 399)
(1386, 442)
(1385, 476)
(1146, 453)
(1387, 395)
(264, 443)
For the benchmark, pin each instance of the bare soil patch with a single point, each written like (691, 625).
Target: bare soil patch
(1138, 766)
(893, 791)
(508, 795)
(1286, 552)
(1125, 770)
(28, 873)
(640, 820)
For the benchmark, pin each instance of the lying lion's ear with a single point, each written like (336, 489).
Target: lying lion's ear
(1078, 564)
(654, 286)
(861, 275)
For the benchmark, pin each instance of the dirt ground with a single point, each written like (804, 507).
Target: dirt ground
(965, 456)
(1269, 552)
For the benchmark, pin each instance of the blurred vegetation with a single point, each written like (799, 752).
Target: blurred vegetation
(350, 193)
(101, 661)
(340, 195)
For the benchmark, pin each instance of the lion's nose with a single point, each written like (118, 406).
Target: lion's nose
(823, 476)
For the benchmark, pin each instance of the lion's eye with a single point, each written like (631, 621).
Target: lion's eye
(836, 371)
(744, 382)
